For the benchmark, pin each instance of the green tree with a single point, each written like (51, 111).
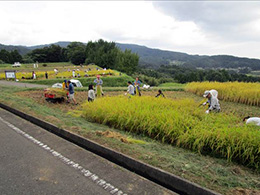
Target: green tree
(127, 61)
(78, 57)
(107, 55)
(102, 53)
(4, 56)
(54, 53)
(15, 57)
(72, 47)
(27, 59)
(39, 55)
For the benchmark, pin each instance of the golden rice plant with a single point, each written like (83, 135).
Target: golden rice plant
(63, 74)
(179, 122)
(56, 91)
(2, 75)
(27, 75)
(240, 92)
(39, 74)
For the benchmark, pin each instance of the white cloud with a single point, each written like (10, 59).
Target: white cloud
(232, 24)
(194, 28)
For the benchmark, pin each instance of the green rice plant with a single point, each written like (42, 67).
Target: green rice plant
(179, 122)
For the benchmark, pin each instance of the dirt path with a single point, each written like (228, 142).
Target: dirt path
(18, 84)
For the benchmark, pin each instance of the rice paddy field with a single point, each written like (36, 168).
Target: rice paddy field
(217, 151)
(240, 92)
(182, 123)
(82, 72)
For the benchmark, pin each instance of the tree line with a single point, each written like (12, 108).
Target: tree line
(108, 55)
(179, 74)
(10, 57)
(102, 53)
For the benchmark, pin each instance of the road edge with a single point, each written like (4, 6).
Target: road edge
(161, 177)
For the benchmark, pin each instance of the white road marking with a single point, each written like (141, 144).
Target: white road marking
(88, 174)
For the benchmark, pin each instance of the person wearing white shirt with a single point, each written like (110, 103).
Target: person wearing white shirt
(212, 101)
(130, 88)
(252, 120)
(91, 93)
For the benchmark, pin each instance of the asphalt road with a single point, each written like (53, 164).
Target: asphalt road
(18, 84)
(34, 161)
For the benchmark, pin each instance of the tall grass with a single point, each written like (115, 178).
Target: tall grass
(240, 92)
(181, 123)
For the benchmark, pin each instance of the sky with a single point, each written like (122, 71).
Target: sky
(193, 27)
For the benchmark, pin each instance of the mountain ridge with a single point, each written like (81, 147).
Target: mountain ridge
(154, 58)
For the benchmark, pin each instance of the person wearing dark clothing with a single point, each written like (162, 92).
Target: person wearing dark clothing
(71, 93)
(137, 84)
(160, 94)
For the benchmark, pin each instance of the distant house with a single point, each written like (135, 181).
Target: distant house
(16, 64)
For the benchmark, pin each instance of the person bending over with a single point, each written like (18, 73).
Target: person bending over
(252, 120)
(212, 101)
(160, 94)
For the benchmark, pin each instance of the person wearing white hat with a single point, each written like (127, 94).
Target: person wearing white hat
(212, 101)
(213, 92)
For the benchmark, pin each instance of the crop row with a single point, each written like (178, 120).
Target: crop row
(62, 74)
(180, 123)
(240, 92)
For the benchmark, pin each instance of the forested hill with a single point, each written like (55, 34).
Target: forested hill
(154, 58)
(60, 43)
(21, 49)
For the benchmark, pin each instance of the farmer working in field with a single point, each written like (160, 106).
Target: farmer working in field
(137, 84)
(99, 84)
(71, 93)
(212, 101)
(252, 120)
(91, 93)
(160, 94)
(213, 93)
(33, 75)
(64, 85)
(130, 89)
